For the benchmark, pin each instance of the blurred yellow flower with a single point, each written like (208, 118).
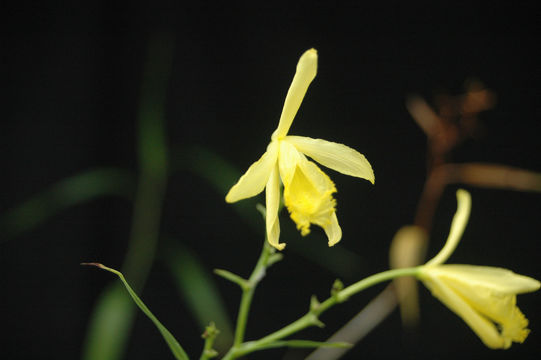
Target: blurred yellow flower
(307, 190)
(484, 297)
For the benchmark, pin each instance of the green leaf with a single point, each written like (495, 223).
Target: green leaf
(198, 288)
(206, 164)
(71, 191)
(110, 325)
(173, 344)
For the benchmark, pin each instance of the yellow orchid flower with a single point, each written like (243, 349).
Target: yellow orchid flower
(307, 190)
(484, 297)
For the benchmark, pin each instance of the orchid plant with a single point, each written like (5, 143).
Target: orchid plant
(484, 297)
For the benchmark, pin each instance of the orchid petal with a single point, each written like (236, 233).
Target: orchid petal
(317, 177)
(485, 329)
(335, 156)
(254, 180)
(273, 204)
(288, 159)
(333, 230)
(460, 220)
(479, 286)
(495, 279)
(306, 72)
(485, 292)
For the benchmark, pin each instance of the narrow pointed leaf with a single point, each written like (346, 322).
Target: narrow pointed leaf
(173, 344)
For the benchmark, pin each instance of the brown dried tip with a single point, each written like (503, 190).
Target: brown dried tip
(92, 264)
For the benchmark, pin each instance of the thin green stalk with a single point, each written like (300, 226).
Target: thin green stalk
(242, 317)
(373, 280)
(311, 318)
(209, 335)
(248, 293)
(208, 351)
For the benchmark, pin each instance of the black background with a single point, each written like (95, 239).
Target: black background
(72, 74)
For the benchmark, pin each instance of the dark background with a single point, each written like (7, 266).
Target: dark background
(72, 75)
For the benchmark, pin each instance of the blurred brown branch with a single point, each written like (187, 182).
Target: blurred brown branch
(454, 120)
(492, 176)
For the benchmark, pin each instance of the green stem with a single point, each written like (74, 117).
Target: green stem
(242, 317)
(209, 335)
(248, 293)
(207, 350)
(311, 318)
(375, 279)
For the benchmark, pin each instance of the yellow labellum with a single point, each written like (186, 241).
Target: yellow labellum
(307, 190)
(308, 198)
(484, 297)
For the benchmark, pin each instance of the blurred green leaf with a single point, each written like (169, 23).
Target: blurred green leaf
(207, 164)
(111, 321)
(173, 344)
(151, 184)
(198, 288)
(71, 191)
(306, 344)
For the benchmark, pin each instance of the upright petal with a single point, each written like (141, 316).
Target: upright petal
(460, 220)
(335, 156)
(273, 204)
(306, 72)
(254, 180)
